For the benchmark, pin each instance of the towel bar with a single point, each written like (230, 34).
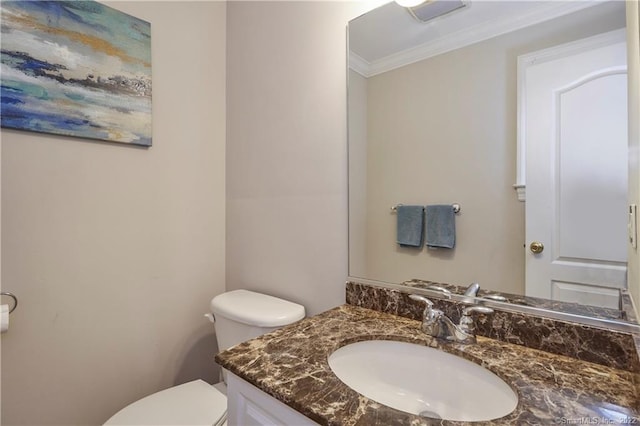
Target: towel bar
(456, 207)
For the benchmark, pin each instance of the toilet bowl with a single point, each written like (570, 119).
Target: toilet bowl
(237, 315)
(192, 403)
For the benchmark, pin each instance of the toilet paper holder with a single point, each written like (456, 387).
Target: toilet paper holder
(15, 300)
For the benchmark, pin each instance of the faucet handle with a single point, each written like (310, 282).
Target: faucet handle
(467, 324)
(421, 299)
(445, 292)
(496, 297)
(472, 290)
(430, 314)
(480, 309)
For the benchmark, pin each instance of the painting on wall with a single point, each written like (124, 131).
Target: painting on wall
(76, 68)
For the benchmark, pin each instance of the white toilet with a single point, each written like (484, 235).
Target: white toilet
(238, 315)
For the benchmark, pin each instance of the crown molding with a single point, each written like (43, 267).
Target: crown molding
(359, 64)
(473, 34)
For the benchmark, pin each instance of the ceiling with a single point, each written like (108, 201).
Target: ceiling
(389, 37)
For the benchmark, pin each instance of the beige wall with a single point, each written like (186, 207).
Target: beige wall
(286, 149)
(115, 251)
(357, 114)
(443, 131)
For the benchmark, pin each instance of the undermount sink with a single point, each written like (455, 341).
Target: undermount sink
(424, 381)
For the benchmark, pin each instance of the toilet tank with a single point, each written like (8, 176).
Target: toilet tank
(242, 315)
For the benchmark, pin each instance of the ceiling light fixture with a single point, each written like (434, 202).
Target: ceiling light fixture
(410, 3)
(432, 9)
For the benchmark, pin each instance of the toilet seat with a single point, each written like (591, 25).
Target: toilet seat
(192, 403)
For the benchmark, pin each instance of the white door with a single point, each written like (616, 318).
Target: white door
(576, 171)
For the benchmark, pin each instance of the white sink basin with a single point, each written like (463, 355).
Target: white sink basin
(424, 381)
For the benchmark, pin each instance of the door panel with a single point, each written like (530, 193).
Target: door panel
(591, 184)
(576, 165)
(584, 294)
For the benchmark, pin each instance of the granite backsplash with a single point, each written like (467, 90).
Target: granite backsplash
(601, 346)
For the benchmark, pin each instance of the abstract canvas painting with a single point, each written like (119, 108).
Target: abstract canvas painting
(76, 68)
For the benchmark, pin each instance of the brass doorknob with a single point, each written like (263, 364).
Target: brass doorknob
(536, 247)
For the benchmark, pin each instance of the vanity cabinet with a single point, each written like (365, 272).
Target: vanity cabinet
(313, 388)
(249, 406)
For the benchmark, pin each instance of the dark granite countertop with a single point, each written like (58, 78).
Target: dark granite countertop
(291, 365)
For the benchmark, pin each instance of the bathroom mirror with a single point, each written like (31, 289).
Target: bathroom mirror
(435, 117)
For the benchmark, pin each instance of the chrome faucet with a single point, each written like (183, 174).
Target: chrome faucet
(472, 290)
(435, 323)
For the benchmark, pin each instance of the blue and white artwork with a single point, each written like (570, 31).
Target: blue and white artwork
(76, 68)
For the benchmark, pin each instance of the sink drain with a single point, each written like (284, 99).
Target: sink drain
(430, 414)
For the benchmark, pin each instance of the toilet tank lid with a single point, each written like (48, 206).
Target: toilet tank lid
(256, 309)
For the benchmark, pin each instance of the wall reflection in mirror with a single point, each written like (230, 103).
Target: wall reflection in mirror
(436, 115)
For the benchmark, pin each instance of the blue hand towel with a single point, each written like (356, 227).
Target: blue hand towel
(441, 226)
(410, 226)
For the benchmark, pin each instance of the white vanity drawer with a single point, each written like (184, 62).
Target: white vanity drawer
(249, 406)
